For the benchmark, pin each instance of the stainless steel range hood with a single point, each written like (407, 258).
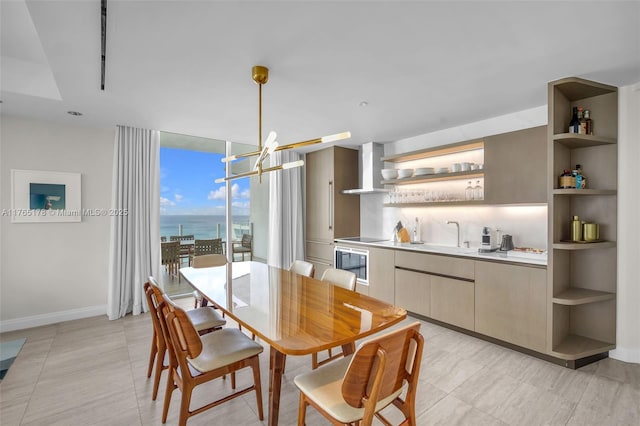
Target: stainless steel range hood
(370, 167)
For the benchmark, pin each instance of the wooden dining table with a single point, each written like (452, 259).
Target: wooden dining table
(293, 314)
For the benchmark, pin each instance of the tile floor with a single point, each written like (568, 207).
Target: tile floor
(93, 372)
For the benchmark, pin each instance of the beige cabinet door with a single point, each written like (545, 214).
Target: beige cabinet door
(319, 195)
(381, 274)
(452, 301)
(413, 291)
(515, 167)
(511, 304)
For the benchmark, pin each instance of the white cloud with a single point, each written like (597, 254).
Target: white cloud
(165, 202)
(245, 194)
(220, 193)
(178, 197)
(242, 204)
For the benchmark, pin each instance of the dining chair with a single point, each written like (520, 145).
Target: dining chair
(204, 320)
(170, 257)
(185, 249)
(245, 246)
(303, 268)
(344, 279)
(206, 261)
(356, 388)
(201, 359)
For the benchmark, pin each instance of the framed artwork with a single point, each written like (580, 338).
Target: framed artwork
(42, 196)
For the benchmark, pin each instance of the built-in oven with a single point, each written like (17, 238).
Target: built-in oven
(354, 260)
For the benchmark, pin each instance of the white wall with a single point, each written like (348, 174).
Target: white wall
(628, 314)
(54, 271)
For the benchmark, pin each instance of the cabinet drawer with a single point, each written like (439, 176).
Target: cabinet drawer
(413, 291)
(320, 250)
(443, 265)
(452, 301)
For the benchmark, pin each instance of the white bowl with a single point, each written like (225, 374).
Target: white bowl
(464, 167)
(389, 174)
(474, 167)
(405, 173)
(442, 170)
(455, 167)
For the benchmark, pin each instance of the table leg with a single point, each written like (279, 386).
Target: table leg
(276, 370)
(349, 348)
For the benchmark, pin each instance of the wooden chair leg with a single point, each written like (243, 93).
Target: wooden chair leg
(167, 395)
(255, 366)
(184, 404)
(156, 379)
(302, 410)
(152, 355)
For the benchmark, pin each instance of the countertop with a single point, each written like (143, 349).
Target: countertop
(538, 259)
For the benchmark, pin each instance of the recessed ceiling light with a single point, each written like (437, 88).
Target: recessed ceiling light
(76, 113)
(363, 104)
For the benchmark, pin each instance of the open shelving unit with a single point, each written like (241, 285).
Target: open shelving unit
(582, 276)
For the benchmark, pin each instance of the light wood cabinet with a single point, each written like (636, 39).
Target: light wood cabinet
(516, 167)
(381, 274)
(582, 276)
(329, 213)
(511, 304)
(413, 291)
(452, 301)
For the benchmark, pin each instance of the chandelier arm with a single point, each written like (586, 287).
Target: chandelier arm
(284, 166)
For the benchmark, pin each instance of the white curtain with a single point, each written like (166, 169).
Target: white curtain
(135, 234)
(286, 221)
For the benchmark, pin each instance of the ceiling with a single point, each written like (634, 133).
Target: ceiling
(185, 66)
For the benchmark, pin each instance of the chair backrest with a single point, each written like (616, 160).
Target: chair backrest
(181, 237)
(163, 239)
(303, 268)
(209, 260)
(153, 310)
(246, 240)
(184, 337)
(170, 252)
(381, 366)
(345, 279)
(213, 246)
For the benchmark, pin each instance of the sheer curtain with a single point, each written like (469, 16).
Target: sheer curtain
(286, 221)
(135, 229)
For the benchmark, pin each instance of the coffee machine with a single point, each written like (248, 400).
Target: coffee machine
(489, 240)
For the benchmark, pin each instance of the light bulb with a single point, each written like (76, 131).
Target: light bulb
(292, 164)
(336, 137)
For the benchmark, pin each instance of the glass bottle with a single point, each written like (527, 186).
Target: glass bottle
(574, 124)
(478, 193)
(468, 192)
(588, 122)
(583, 124)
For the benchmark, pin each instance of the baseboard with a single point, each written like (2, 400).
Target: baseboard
(52, 318)
(625, 355)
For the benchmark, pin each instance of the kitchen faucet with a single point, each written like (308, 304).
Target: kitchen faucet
(458, 228)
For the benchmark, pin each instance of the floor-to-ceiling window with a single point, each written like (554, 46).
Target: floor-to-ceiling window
(192, 204)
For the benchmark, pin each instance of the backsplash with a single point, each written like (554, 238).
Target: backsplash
(527, 224)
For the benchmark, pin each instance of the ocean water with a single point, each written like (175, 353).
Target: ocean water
(202, 226)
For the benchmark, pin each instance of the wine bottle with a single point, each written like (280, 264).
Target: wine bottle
(574, 124)
(583, 123)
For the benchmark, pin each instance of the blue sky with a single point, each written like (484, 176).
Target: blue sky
(187, 184)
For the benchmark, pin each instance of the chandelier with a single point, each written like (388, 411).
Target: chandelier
(260, 75)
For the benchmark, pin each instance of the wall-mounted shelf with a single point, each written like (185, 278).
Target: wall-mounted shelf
(581, 296)
(572, 140)
(434, 152)
(584, 246)
(436, 203)
(585, 192)
(473, 174)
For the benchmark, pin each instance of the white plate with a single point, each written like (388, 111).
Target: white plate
(442, 170)
(424, 171)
